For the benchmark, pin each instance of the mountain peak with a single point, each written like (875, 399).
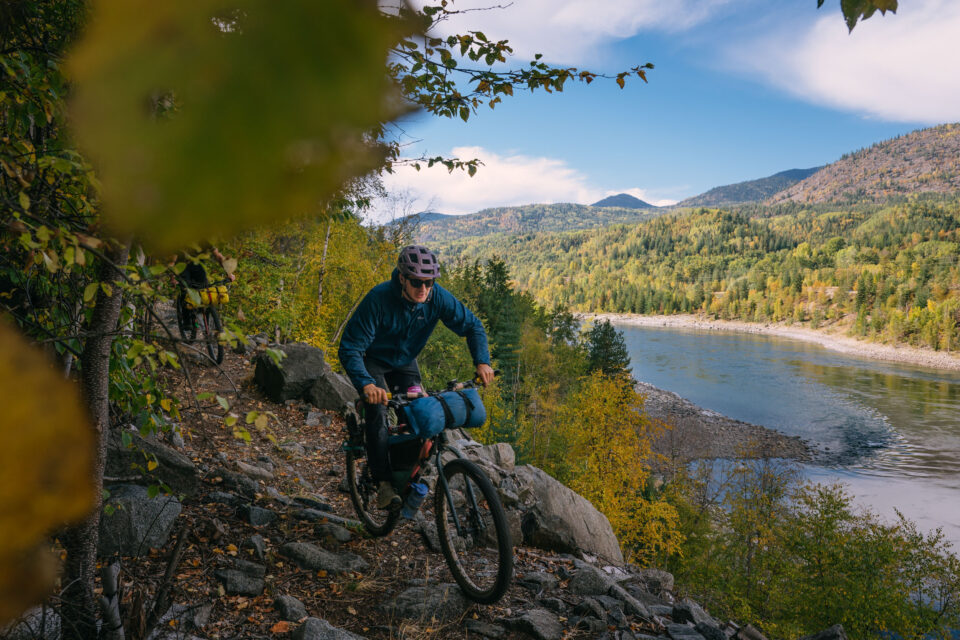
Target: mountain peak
(624, 200)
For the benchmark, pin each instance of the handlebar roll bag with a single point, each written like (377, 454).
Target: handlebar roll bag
(448, 410)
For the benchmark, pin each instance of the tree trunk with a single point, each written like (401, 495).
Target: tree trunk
(80, 542)
(323, 267)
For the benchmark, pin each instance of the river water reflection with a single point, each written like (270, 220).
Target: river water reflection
(889, 431)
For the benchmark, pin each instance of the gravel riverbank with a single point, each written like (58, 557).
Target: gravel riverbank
(830, 338)
(698, 433)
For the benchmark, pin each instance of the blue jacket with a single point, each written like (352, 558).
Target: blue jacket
(393, 330)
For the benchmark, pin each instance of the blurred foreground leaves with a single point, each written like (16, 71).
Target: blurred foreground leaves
(207, 116)
(45, 469)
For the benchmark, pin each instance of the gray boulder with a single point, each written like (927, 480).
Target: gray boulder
(538, 581)
(238, 482)
(656, 581)
(244, 579)
(500, 454)
(174, 468)
(290, 608)
(38, 623)
(308, 556)
(257, 516)
(317, 629)
(683, 632)
(188, 618)
(331, 391)
(254, 471)
(257, 544)
(484, 629)
(292, 377)
(689, 611)
(137, 522)
(589, 581)
(539, 623)
(443, 602)
(561, 520)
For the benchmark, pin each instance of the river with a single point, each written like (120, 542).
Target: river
(890, 432)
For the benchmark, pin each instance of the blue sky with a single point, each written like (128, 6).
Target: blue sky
(742, 89)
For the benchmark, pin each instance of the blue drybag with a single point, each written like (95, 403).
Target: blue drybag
(448, 410)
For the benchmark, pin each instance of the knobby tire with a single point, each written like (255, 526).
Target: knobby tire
(484, 538)
(211, 334)
(363, 495)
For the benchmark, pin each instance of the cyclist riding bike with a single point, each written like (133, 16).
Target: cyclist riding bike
(385, 335)
(194, 275)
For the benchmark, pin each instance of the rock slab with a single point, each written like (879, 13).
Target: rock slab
(137, 522)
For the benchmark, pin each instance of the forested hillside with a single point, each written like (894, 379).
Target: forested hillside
(531, 218)
(923, 161)
(890, 271)
(750, 190)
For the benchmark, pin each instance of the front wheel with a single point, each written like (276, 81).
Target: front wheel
(363, 494)
(186, 320)
(211, 334)
(473, 532)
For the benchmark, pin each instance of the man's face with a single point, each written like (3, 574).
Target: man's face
(416, 290)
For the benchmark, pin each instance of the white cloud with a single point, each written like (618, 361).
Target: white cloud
(571, 31)
(896, 67)
(503, 180)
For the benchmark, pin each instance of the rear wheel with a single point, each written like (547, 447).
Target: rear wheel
(363, 493)
(473, 532)
(211, 334)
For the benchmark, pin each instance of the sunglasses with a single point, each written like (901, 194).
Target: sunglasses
(416, 284)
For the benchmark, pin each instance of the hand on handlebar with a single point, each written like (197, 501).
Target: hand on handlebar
(372, 394)
(484, 374)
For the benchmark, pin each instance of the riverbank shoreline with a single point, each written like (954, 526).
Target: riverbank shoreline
(834, 341)
(695, 433)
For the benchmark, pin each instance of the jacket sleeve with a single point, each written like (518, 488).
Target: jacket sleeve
(359, 333)
(465, 324)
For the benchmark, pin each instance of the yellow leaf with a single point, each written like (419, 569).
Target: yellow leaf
(351, 611)
(166, 404)
(151, 465)
(45, 471)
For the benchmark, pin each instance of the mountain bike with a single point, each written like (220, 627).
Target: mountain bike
(204, 318)
(471, 523)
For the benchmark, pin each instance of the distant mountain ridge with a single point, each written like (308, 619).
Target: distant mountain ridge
(624, 200)
(749, 190)
(926, 160)
(531, 218)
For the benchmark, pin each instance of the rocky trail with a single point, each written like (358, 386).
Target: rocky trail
(258, 539)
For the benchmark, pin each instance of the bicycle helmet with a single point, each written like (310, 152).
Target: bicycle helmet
(416, 261)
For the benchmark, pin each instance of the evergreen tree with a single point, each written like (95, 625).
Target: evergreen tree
(607, 350)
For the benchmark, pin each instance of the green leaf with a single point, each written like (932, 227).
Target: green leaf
(194, 297)
(90, 291)
(107, 289)
(205, 395)
(230, 420)
(251, 416)
(201, 161)
(153, 491)
(24, 201)
(126, 438)
(223, 402)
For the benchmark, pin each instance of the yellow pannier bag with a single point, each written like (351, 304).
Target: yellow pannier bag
(211, 296)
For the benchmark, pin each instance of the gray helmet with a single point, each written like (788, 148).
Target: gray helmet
(416, 261)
